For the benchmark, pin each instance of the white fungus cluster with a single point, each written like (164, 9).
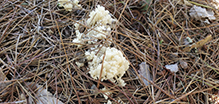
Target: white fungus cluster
(99, 22)
(94, 34)
(69, 4)
(99, 16)
(114, 64)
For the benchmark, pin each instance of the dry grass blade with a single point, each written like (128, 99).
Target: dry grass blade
(198, 44)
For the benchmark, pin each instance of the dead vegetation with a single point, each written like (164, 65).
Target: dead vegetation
(36, 49)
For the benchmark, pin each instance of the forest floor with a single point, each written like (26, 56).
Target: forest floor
(38, 58)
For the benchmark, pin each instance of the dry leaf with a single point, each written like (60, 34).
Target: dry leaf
(2, 78)
(200, 13)
(44, 97)
(198, 44)
(3, 83)
(93, 89)
(144, 71)
(183, 64)
(2, 75)
(172, 67)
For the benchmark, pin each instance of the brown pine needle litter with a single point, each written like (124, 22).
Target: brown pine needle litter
(36, 49)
